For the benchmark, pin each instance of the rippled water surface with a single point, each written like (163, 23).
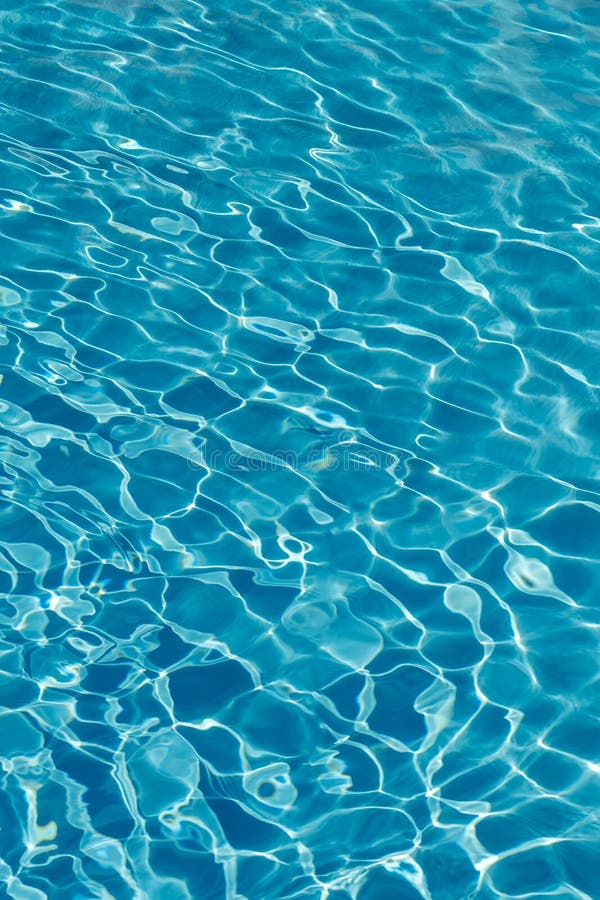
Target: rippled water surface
(299, 445)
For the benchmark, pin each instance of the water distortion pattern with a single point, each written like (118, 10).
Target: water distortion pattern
(300, 517)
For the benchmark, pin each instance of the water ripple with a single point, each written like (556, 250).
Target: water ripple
(299, 478)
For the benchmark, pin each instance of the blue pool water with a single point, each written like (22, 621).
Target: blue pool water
(299, 444)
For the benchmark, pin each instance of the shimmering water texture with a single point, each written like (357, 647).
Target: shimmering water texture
(300, 520)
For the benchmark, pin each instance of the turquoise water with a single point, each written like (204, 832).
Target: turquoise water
(299, 420)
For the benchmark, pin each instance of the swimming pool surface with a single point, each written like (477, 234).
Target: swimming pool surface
(300, 449)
